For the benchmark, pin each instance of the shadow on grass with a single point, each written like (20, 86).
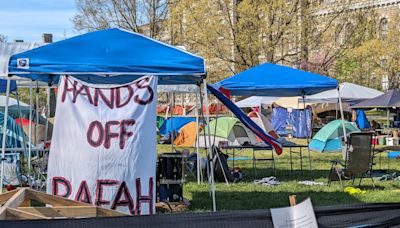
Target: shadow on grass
(238, 200)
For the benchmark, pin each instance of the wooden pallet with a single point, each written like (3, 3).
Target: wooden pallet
(18, 204)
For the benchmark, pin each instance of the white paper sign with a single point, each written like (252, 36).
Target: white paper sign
(103, 148)
(301, 215)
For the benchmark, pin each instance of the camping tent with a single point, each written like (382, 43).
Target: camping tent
(227, 129)
(174, 124)
(187, 136)
(14, 133)
(329, 138)
(255, 101)
(349, 92)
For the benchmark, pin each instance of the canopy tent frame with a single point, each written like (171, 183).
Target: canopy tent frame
(181, 67)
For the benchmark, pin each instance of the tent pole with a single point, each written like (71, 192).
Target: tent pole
(197, 138)
(47, 116)
(172, 121)
(37, 114)
(307, 132)
(209, 147)
(342, 116)
(20, 119)
(3, 148)
(30, 133)
(387, 117)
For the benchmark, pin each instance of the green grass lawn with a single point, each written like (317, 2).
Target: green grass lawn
(246, 195)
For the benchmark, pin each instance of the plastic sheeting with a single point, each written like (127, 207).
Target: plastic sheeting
(255, 101)
(362, 120)
(301, 122)
(279, 120)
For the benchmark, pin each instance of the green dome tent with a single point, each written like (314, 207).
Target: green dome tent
(230, 130)
(329, 138)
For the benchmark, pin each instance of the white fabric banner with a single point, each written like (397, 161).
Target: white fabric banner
(103, 149)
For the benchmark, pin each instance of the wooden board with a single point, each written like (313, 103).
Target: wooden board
(16, 205)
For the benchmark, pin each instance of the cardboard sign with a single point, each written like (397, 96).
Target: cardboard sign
(301, 215)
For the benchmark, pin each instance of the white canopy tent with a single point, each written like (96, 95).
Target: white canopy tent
(349, 92)
(256, 101)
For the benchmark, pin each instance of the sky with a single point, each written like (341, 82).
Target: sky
(28, 19)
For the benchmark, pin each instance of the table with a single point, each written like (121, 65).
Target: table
(380, 150)
(255, 148)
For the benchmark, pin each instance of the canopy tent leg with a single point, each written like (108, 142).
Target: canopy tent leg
(209, 147)
(216, 154)
(342, 117)
(204, 137)
(30, 133)
(308, 135)
(197, 138)
(37, 113)
(20, 119)
(3, 148)
(387, 117)
(47, 117)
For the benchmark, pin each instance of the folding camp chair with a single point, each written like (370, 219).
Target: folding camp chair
(358, 160)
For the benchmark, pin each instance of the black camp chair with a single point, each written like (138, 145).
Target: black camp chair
(358, 162)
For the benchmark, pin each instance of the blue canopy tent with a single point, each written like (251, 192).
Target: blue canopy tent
(269, 79)
(110, 56)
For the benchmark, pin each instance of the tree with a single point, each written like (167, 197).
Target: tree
(235, 35)
(373, 59)
(3, 38)
(144, 16)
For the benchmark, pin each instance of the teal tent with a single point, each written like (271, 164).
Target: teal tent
(329, 138)
(14, 133)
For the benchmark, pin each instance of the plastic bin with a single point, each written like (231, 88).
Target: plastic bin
(381, 140)
(389, 141)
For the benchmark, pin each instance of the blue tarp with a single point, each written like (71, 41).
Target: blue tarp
(279, 120)
(274, 80)
(362, 121)
(301, 122)
(109, 56)
(174, 124)
(3, 85)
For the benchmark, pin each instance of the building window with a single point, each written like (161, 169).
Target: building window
(384, 28)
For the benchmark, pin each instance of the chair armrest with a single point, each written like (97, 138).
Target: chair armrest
(337, 162)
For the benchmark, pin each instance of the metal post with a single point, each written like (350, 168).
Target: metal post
(209, 147)
(37, 114)
(197, 138)
(307, 132)
(30, 133)
(3, 148)
(47, 116)
(342, 116)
